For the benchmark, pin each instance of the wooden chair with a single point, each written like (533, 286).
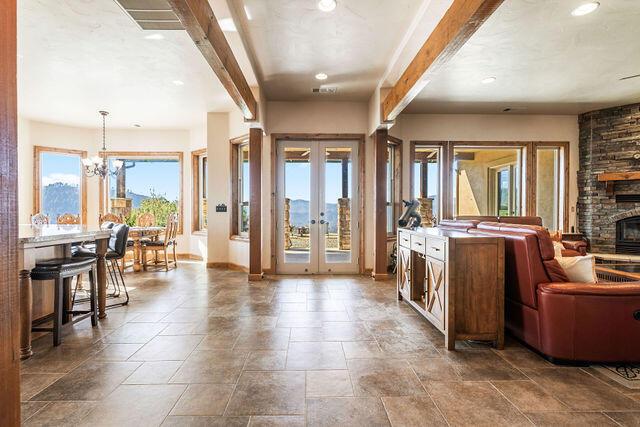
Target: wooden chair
(146, 219)
(68, 219)
(111, 217)
(169, 240)
(39, 219)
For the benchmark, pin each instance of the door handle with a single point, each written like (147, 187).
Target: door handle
(313, 221)
(322, 221)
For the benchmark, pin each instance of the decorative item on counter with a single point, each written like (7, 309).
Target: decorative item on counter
(410, 217)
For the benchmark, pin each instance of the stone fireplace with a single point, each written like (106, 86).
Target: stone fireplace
(608, 141)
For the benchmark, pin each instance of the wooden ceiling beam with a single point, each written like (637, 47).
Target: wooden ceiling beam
(457, 25)
(198, 19)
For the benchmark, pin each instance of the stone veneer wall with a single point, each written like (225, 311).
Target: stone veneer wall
(608, 140)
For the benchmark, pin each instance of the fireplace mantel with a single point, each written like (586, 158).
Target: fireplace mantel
(611, 177)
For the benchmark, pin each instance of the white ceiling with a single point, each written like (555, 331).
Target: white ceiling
(80, 56)
(544, 59)
(294, 40)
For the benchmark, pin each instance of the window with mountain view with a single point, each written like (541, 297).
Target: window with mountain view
(146, 184)
(240, 187)
(60, 182)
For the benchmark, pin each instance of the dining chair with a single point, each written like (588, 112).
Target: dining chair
(169, 240)
(110, 217)
(68, 219)
(39, 219)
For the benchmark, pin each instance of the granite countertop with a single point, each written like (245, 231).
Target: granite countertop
(29, 234)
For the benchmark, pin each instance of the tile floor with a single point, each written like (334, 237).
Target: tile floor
(204, 347)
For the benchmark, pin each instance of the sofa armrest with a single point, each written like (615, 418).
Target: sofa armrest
(597, 289)
(579, 246)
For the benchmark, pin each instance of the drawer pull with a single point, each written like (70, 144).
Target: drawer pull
(418, 243)
(435, 249)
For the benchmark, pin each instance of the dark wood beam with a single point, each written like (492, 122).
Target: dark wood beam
(198, 19)
(9, 291)
(255, 204)
(380, 138)
(457, 25)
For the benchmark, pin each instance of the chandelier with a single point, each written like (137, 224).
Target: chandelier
(97, 165)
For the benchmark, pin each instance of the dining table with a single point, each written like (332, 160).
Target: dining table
(41, 242)
(137, 234)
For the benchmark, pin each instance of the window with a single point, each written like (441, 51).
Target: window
(394, 184)
(488, 181)
(59, 183)
(240, 186)
(147, 182)
(426, 182)
(199, 196)
(551, 167)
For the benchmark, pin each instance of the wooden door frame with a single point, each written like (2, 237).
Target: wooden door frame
(528, 168)
(9, 290)
(275, 138)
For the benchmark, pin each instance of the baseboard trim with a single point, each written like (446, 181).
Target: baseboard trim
(228, 265)
(381, 276)
(255, 277)
(190, 257)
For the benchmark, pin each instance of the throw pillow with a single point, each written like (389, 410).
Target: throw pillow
(579, 268)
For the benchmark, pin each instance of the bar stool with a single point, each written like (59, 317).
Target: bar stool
(59, 270)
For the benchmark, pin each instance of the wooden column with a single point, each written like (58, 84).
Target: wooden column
(424, 179)
(255, 204)
(9, 291)
(380, 203)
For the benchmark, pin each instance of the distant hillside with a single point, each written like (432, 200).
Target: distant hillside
(59, 198)
(299, 214)
(136, 199)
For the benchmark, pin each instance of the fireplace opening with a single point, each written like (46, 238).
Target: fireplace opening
(628, 235)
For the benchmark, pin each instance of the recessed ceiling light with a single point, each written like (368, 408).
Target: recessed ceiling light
(178, 82)
(488, 80)
(585, 8)
(327, 5)
(136, 125)
(154, 36)
(227, 24)
(321, 76)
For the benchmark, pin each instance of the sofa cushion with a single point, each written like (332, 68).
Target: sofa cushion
(458, 224)
(555, 271)
(524, 220)
(579, 268)
(603, 288)
(544, 240)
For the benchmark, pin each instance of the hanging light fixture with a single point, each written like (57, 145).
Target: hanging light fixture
(96, 165)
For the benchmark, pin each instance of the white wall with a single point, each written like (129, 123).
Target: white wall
(475, 127)
(31, 133)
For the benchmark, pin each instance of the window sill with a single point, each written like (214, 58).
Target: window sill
(239, 238)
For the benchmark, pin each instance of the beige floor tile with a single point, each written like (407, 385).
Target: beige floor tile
(191, 421)
(346, 411)
(168, 348)
(139, 405)
(32, 384)
(409, 411)
(277, 421)
(363, 350)
(213, 366)
(482, 365)
(434, 369)
(568, 419)
(382, 377)
(134, 333)
(268, 393)
(91, 381)
(154, 372)
(315, 355)
(267, 339)
(60, 413)
(528, 396)
(625, 418)
(329, 384)
(580, 391)
(28, 409)
(266, 360)
(474, 403)
(203, 399)
(117, 352)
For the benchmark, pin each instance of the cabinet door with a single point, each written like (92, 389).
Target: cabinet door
(404, 272)
(436, 291)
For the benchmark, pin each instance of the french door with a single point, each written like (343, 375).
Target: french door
(317, 207)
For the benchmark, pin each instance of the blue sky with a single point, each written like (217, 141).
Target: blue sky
(163, 177)
(297, 181)
(56, 167)
(432, 179)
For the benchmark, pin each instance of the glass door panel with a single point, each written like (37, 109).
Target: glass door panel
(297, 205)
(426, 183)
(336, 207)
(549, 185)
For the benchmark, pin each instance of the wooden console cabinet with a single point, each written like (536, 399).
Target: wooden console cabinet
(455, 280)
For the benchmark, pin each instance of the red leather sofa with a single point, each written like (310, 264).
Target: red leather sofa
(564, 321)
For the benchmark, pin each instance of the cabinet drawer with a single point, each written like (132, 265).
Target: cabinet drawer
(435, 248)
(417, 244)
(404, 239)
